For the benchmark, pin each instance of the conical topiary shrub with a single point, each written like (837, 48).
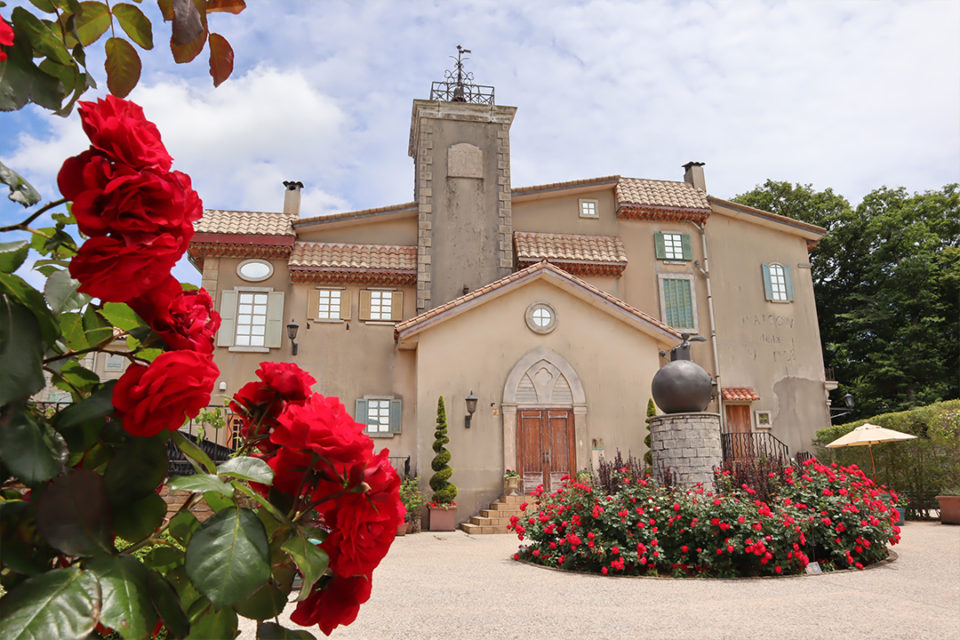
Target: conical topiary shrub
(651, 411)
(444, 491)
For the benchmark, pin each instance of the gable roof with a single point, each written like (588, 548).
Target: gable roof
(408, 330)
(260, 223)
(811, 232)
(574, 253)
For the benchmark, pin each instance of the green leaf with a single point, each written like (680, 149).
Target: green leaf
(98, 330)
(120, 315)
(228, 557)
(78, 376)
(149, 354)
(80, 422)
(127, 607)
(71, 327)
(266, 602)
(42, 36)
(182, 526)
(214, 623)
(62, 603)
(20, 351)
(200, 483)
(166, 603)
(273, 631)
(73, 514)
(135, 24)
(217, 501)
(137, 469)
(25, 451)
(221, 59)
(164, 558)
(18, 289)
(191, 450)
(21, 81)
(12, 254)
(122, 66)
(310, 559)
(138, 519)
(61, 292)
(20, 190)
(189, 29)
(247, 468)
(91, 22)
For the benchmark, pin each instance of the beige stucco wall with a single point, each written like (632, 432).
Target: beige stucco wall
(383, 230)
(477, 350)
(773, 347)
(560, 213)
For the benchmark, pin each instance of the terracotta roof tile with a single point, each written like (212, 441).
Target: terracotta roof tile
(740, 394)
(564, 247)
(338, 255)
(261, 223)
(660, 193)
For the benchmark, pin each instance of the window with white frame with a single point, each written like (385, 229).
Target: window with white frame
(378, 416)
(777, 282)
(328, 304)
(381, 305)
(382, 416)
(114, 362)
(670, 245)
(588, 208)
(251, 320)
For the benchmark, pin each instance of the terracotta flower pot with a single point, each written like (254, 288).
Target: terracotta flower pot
(511, 486)
(949, 509)
(443, 519)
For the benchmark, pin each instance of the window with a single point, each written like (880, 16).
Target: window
(114, 362)
(329, 303)
(678, 307)
(541, 317)
(588, 208)
(381, 415)
(251, 319)
(381, 305)
(777, 282)
(254, 270)
(672, 246)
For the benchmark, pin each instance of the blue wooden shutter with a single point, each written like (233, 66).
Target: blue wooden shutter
(687, 248)
(396, 415)
(767, 285)
(660, 248)
(360, 412)
(788, 280)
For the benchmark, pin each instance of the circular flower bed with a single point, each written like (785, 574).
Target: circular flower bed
(833, 515)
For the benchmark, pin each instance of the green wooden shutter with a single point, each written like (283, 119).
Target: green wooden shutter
(659, 246)
(228, 318)
(788, 280)
(360, 412)
(274, 337)
(687, 248)
(396, 415)
(767, 285)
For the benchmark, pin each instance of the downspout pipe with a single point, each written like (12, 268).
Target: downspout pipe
(705, 270)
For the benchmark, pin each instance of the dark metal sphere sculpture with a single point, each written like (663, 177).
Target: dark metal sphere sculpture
(682, 386)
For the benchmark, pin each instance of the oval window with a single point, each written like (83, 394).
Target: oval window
(541, 317)
(255, 270)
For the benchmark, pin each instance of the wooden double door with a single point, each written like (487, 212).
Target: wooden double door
(545, 447)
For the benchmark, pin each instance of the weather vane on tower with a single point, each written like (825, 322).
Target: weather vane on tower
(458, 86)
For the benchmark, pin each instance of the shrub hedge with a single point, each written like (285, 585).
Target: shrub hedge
(918, 469)
(834, 515)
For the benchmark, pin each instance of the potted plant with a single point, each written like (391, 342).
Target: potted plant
(511, 482)
(412, 501)
(442, 508)
(949, 502)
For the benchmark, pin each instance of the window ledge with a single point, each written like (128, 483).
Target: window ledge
(681, 262)
(249, 349)
(780, 301)
(381, 435)
(328, 320)
(381, 322)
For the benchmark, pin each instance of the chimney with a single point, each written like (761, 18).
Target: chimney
(291, 197)
(693, 174)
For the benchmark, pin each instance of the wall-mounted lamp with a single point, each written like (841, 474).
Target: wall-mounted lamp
(848, 402)
(471, 401)
(292, 333)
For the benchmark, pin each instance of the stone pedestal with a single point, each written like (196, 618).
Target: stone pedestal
(687, 446)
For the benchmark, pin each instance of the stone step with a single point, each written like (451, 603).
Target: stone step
(489, 522)
(517, 499)
(500, 513)
(475, 529)
(505, 506)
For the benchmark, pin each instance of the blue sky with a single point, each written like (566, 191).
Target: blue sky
(848, 95)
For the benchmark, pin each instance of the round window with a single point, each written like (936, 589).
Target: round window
(541, 317)
(255, 270)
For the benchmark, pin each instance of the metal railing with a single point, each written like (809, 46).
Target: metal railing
(402, 465)
(461, 92)
(744, 446)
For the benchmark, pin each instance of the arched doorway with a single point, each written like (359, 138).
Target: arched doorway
(544, 419)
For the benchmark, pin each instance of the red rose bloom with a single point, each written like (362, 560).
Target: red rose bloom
(118, 128)
(6, 37)
(337, 603)
(363, 524)
(323, 426)
(116, 271)
(176, 386)
(261, 402)
(184, 319)
(112, 198)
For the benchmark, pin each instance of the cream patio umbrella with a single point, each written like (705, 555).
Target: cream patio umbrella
(869, 435)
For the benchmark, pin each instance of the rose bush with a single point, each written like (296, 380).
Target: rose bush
(304, 495)
(829, 514)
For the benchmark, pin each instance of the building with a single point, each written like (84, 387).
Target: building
(552, 305)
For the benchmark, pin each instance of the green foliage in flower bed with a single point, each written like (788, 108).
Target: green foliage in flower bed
(831, 514)
(919, 469)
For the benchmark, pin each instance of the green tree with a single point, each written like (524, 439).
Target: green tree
(444, 491)
(651, 411)
(886, 279)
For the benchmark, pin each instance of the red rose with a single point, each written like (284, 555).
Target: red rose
(337, 603)
(6, 37)
(323, 426)
(289, 466)
(363, 524)
(175, 387)
(184, 319)
(110, 198)
(259, 403)
(119, 129)
(287, 379)
(116, 271)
